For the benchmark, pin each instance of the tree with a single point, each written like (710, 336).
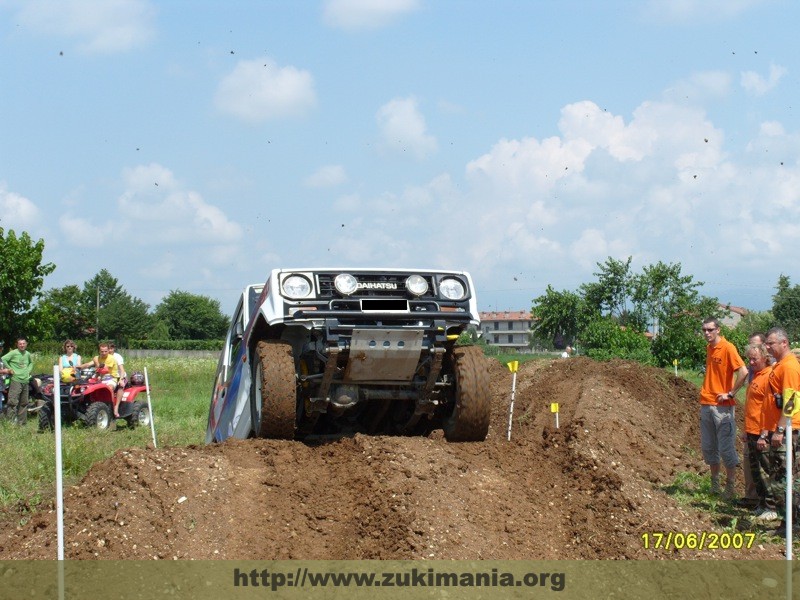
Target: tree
(610, 316)
(192, 316)
(756, 321)
(660, 291)
(786, 306)
(611, 292)
(63, 314)
(22, 276)
(679, 337)
(559, 316)
(117, 314)
(124, 318)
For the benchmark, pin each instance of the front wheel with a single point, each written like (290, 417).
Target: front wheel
(98, 415)
(469, 421)
(274, 395)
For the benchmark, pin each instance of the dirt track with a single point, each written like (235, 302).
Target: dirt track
(589, 489)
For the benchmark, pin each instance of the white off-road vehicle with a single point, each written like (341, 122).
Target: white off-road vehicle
(315, 352)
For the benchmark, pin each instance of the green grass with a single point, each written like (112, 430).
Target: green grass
(693, 489)
(179, 391)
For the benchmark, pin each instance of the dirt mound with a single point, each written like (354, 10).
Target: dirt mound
(587, 489)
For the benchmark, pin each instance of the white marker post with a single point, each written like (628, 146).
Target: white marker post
(554, 409)
(789, 490)
(59, 481)
(675, 363)
(150, 408)
(513, 366)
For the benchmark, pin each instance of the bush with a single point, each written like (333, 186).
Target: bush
(213, 345)
(604, 339)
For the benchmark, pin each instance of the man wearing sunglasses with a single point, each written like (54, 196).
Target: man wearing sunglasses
(726, 373)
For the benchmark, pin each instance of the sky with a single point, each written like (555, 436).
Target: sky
(196, 145)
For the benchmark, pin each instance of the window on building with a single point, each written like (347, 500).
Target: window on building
(497, 339)
(496, 325)
(510, 325)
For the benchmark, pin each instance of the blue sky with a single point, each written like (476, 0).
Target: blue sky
(196, 145)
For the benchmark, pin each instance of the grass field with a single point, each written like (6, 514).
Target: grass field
(179, 391)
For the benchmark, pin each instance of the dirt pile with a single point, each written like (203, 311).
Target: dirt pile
(589, 489)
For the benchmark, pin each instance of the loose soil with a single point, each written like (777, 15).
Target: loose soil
(588, 489)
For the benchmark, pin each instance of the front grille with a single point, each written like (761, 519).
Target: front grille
(397, 281)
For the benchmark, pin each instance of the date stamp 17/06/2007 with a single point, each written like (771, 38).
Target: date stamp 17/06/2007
(701, 540)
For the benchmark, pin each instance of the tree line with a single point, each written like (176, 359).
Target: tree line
(652, 316)
(100, 308)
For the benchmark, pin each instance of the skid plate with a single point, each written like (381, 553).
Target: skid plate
(383, 355)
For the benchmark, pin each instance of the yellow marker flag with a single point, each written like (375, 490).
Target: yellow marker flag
(513, 366)
(675, 362)
(554, 407)
(791, 402)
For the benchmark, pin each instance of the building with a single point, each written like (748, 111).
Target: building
(510, 330)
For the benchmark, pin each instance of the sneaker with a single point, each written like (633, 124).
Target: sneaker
(766, 514)
(715, 490)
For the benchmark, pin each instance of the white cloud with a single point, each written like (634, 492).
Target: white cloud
(699, 88)
(80, 232)
(403, 128)
(259, 90)
(99, 27)
(758, 85)
(148, 179)
(174, 215)
(528, 164)
(16, 211)
(366, 14)
(326, 177)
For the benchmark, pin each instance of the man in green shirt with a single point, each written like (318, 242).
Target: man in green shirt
(20, 363)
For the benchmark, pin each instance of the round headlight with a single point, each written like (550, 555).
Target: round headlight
(452, 289)
(416, 285)
(345, 284)
(296, 287)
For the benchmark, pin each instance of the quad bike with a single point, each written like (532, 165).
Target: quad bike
(89, 400)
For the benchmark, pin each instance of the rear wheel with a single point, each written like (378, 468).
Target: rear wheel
(46, 418)
(274, 395)
(469, 421)
(98, 415)
(140, 415)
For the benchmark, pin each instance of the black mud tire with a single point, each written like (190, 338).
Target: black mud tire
(140, 415)
(274, 394)
(469, 421)
(99, 416)
(47, 420)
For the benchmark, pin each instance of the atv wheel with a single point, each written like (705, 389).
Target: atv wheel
(469, 421)
(47, 420)
(99, 415)
(273, 397)
(140, 415)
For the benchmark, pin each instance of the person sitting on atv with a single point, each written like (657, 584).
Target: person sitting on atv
(123, 376)
(106, 369)
(68, 362)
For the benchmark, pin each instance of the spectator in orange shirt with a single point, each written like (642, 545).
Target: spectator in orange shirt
(759, 394)
(784, 381)
(725, 376)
